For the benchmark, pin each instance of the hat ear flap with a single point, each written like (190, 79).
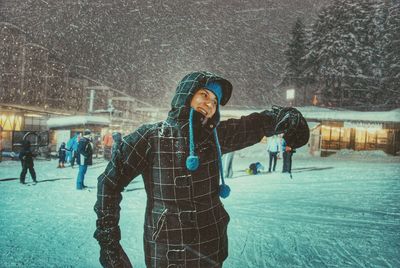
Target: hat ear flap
(192, 161)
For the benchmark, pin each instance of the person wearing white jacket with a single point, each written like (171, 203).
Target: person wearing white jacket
(273, 148)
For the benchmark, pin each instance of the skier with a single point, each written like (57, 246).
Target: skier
(26, 156)
(180, 162)
(85, 154)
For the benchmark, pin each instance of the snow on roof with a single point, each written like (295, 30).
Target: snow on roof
(319, 114)
(65, 121)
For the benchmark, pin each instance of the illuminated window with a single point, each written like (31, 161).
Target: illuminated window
(11, 122)
(382, 136)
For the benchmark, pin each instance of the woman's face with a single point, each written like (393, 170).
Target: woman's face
(204, 102)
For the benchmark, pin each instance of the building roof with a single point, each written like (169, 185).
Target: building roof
(312, 113)
(79, 120)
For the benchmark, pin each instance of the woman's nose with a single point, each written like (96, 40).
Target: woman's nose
(209, 104)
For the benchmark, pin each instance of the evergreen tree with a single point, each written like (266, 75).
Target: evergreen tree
(347, 52)
(332, 48)
(295, 55)
(391, 51)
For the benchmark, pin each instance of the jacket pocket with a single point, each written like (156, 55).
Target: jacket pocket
(160, 225)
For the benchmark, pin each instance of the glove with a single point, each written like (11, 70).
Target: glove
(292, 124)
(113, 255)
(287, 119)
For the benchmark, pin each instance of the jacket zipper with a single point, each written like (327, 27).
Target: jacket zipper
(160, 224)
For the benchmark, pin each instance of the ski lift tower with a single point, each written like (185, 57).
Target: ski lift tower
(136, 109)
(92, 96)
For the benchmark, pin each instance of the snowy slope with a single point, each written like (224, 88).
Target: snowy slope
(340, 211)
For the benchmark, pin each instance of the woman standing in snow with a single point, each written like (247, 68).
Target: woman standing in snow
(180, 162)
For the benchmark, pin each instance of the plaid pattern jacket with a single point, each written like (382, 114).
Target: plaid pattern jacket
(185, 221)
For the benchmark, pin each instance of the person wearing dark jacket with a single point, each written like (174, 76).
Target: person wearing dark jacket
(180, 161)
(62, 153)
(84, 158)
(117, 139)
(288, 152)
(26, 157)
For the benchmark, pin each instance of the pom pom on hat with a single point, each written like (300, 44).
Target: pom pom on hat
(224, 190)
(192, 162)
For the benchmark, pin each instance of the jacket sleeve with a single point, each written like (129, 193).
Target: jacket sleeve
(21, 155)
(236, 134)
(129, 161)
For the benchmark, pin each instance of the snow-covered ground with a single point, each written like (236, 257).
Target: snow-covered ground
(339, 211)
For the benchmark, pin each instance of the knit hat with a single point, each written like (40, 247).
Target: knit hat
(192, 161)
(215, 88)
(87, 132)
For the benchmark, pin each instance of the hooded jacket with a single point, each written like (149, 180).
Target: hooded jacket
(73, 142)
(185, 221)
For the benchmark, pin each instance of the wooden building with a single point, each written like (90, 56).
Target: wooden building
(334, 130)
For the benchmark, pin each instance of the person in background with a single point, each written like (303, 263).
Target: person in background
(26, 156)
(72, 146)
(96, 140)
(273, 148)
(62, 151)
(1, 143)
(228, 164)
(107, 145)
(287, 157)
(85, 156)
(117, 139)
(254, 168)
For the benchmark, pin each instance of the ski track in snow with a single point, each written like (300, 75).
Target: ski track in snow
(335, 212)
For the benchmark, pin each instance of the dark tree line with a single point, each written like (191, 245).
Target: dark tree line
(350, 57)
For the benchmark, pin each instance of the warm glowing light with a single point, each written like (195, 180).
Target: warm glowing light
(33, 115)
(290, 94)
(10, 122)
